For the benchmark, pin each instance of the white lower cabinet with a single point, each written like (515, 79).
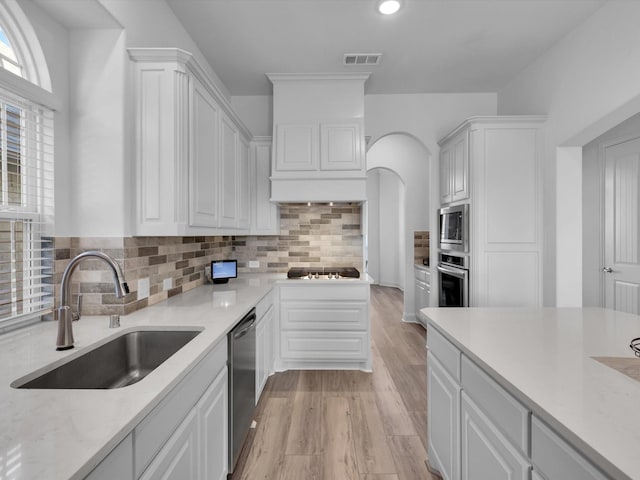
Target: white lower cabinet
(178, 458)
(213, 419)
(443, 406)
(422, 290)
(485, 452)
(197, 448)
(264, 351)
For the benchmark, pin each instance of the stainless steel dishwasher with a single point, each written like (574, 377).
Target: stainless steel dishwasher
(242, 383)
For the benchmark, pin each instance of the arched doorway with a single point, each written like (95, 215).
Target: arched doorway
(398, 160)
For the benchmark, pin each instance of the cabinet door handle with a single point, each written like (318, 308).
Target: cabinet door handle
(607, 270)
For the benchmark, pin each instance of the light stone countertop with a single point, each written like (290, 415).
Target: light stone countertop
(62, 434)
(544, 358)
(422, 267)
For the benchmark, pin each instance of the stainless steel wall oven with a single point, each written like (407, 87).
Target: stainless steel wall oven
(453, 277)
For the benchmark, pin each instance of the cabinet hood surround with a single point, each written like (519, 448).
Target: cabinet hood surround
(318, 138)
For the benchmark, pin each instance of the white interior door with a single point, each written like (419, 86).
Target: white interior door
(622, 239)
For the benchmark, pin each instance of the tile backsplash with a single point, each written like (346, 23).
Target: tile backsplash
(179, 259)
(309, 236)
(420, 247)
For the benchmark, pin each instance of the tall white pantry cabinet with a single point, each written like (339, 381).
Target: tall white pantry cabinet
(495, 164)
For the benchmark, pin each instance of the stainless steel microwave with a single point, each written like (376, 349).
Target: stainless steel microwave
(454, 228)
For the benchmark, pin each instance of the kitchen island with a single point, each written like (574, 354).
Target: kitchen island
(520, 390)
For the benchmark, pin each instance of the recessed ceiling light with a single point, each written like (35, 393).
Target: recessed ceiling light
(389, 7)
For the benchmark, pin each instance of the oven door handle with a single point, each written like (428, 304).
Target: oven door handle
(452, 271)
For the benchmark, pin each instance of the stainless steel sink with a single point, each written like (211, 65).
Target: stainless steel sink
(123, 361)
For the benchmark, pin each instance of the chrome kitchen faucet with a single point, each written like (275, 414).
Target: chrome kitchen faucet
(66, 315)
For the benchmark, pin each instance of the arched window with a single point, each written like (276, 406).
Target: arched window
(26, 173)
(8, 55)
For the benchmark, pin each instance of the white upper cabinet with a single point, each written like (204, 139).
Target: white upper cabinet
(265, 215)
(191, 149)
(445, 175)
(229, 174)
(319, 148)
(244, 193)
(297, 148)
(204, 161)
(160, 98)
(459, 169)
(341, 148)
(454, 169)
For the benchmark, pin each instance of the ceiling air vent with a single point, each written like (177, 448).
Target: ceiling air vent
(362, 58)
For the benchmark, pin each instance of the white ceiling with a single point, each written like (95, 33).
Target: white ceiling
(430, 46)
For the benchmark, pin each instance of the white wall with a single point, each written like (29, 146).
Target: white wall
(256, 112)
(588, 83)
(372, 232)
(100, 199)
(152, 23)
(427, 117)
(386, 232)
(54, 39)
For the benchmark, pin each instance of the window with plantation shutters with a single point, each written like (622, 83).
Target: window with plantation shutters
(26, 210)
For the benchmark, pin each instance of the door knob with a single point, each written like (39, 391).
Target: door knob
(607, 269)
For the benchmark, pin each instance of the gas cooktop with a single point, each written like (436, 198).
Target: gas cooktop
(331, 273)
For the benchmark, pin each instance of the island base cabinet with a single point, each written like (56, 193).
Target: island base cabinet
(485, 453)
(324, 326)
(555, 459)
(178, 458)
(443, 427)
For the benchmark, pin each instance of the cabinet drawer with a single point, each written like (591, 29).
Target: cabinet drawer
(444, 351)
(264, 305)
(509, 415)
(555, 458)
(323, 316)
(156, 427)
(340, 290)
(324, 345)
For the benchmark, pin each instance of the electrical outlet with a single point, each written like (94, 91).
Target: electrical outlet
(167, 284)
(254, 263)
(143, 288)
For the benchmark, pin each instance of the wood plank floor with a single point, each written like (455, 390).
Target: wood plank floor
(348, 425)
